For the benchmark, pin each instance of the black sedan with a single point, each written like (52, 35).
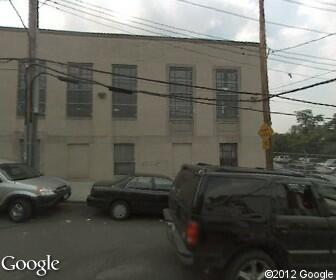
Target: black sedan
(134, 194)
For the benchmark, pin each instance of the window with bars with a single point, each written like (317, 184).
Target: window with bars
(124, 162)
(124, 105)
(40, 83)
(227, 79)
(228, 154)
(179, 105)
(79, 96)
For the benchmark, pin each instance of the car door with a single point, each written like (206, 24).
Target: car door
(141, 194)
(299, 226)
(162, 187)
(327, 193)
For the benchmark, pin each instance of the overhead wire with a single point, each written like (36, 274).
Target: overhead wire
(190, 50)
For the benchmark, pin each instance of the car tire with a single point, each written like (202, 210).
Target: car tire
(20, 210)
(250, 265)
(66, 197)
(119, 210)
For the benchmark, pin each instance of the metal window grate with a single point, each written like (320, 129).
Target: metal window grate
(79, 96)
(228, 154)
(124, 105)
(226, 79)
(124, 162)
(180, 109)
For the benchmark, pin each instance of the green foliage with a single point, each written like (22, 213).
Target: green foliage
(312, 134)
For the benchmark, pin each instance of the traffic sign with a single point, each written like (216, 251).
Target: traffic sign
(265, 131)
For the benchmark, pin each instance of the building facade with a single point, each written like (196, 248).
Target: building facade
(86, 131)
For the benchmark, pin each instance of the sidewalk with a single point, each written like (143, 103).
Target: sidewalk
(80, 190)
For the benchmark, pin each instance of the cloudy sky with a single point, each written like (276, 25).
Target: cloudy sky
(214, 23)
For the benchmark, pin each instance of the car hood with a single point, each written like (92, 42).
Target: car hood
(44, 181)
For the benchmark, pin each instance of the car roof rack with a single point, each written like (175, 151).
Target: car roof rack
(258, 170)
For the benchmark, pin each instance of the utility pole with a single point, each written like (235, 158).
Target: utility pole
(32, 97)
(264, 85)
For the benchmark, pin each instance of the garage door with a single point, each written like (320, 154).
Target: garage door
(181, 155)
(78, 161)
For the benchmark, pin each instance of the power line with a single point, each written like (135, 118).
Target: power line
(307, 87)
(310, 6)
(279, 95)
(180, 47)
(19, 16)
(304, 60)
(309, 55)
(303, 43)
(250, 18)
(297, 82)
(243, 49)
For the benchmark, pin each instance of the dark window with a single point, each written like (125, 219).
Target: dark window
(141, 183)
(185, 186)
(124, 162)
(124, 105)
(162, 184)
(227, 102)
(228, 154)
(39, 83)
(180, 105)
(79, 95)
(328, 193)
(294, 199)
(236, 196)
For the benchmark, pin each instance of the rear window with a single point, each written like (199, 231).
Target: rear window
(235, 196)
(185, 186)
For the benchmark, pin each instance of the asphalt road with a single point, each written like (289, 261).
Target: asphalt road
(91, 246)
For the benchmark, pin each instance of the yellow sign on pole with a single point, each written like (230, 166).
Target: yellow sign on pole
(265, 132)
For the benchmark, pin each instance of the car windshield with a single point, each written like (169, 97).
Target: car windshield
(18, 171)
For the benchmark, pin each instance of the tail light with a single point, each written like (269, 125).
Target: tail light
(192, 233)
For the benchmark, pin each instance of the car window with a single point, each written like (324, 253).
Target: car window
(18, 171)
(185, 186)
(328, 193)
(235, 196)
(294, 199)
(162, 183)
(143, 183)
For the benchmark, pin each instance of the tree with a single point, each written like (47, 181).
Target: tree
(312, 134)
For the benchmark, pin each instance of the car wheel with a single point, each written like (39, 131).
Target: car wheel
(119, 210)
(66, 196)
(20, 210)
(249, 266)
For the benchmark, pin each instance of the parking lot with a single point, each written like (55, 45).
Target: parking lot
(91, 246)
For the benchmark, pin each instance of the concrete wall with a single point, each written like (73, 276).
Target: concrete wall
(158, 141)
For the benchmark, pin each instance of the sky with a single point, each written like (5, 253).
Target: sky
(179, 14)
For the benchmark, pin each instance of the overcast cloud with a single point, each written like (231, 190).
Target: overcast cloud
(179, 14)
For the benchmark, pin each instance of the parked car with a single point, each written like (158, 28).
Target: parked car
(23, 189)
(134, 194)
(326, 167)
(241, 222)
(282, 159)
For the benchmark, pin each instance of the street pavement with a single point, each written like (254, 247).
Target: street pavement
(91, 246)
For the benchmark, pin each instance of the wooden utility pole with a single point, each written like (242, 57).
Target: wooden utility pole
(32, 96)
(264, 83)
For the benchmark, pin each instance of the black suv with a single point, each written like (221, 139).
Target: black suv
(240, 222)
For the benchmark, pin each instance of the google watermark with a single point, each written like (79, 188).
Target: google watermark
(39, 267)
